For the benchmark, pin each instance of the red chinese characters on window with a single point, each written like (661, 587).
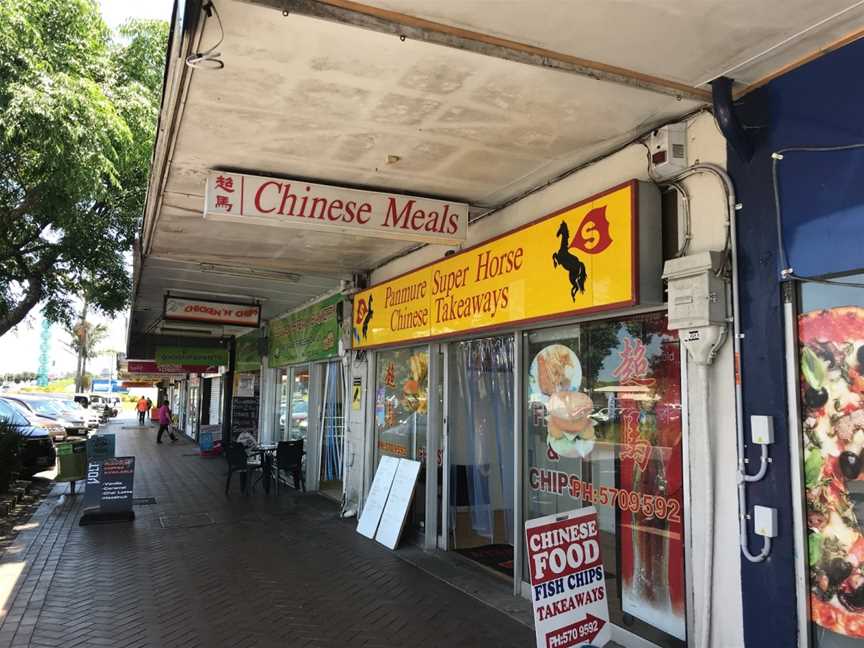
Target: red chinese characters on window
(631, 372)
(390, 375)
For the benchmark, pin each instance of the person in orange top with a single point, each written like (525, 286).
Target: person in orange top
(141, 407)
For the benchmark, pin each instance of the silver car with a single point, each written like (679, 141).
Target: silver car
(72, 422)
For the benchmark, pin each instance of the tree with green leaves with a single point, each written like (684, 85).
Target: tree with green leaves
(85, 338)
(78, 114)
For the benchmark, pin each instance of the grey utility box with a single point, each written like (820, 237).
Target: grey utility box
(697, 296)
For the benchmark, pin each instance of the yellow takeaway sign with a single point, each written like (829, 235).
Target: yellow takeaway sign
(581, 259)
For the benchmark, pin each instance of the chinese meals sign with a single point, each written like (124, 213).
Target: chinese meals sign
(294, 203)
(309, 334)
(578, 260)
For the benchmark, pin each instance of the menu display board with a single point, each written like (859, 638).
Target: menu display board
(377, 498)
(109, 490)
(568, 582)
(244, 414)
(398, 502)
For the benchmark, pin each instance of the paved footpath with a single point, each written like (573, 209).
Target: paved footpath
(200, 569)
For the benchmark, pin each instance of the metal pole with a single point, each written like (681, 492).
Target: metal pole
(433, 426)
(517, 464)
(228, 394)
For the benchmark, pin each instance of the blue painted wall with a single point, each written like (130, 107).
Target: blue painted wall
(822, 195)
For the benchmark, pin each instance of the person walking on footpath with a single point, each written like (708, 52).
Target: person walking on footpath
(141, 407)
(165, 423)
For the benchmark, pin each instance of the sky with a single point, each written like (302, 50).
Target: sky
(19, 348)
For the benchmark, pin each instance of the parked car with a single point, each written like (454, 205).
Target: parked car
(74, 423)
(98, 403)
(37, 449)
(57, 431)
(299, 419)
(93, 418)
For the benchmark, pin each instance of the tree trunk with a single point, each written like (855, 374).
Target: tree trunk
(82, 350)
(32, 296)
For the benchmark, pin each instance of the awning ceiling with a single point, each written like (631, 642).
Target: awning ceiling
(341, 104)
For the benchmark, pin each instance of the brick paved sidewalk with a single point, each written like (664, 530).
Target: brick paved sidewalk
(241, 571)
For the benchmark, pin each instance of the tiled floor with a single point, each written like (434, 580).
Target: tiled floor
(214, 571)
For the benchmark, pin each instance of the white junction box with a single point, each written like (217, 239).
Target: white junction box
(697, 296)
(762, 429)
(765, 521)
(697, 302)
(668, 151)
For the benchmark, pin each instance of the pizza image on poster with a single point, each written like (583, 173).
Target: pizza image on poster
(568, 580)
(832, 403)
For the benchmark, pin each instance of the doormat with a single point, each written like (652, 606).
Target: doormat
(185, 521)
(143, 501)
(496, 556)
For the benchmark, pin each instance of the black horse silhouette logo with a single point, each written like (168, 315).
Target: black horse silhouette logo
(570, 262)
(367, 318)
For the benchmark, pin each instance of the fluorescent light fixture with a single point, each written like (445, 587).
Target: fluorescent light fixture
(196, 294)
(249, 273)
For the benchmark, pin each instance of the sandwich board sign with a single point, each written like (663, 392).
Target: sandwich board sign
(108, 496)
(377, 499)
(398, 503)
(568, 581)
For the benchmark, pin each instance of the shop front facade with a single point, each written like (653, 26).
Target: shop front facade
(533, 372)
(802, 227)
(305, 400)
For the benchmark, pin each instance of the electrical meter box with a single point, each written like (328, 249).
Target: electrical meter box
(697, 296)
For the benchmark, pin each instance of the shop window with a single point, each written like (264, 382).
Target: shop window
(293, 407)
(401, 414)
(333, 426)
(603, 428)
(831, 353)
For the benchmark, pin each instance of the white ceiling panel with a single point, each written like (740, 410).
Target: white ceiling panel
(689, 41)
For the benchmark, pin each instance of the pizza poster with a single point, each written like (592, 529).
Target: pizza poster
(568, 581)
(832, 408)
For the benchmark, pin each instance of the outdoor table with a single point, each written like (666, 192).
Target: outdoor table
(267, 452)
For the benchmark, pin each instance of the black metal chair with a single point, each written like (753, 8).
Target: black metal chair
(238, 461)
(289, 457)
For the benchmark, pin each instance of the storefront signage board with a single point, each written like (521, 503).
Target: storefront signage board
(101, 447)
(568, 582)
(280, 202)
(149, 368)
(398, 503)
(199, 310)
(108, 495)
(582, 259)
(305, 336)
(377, 498)
(246, 356)
(211, 358)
